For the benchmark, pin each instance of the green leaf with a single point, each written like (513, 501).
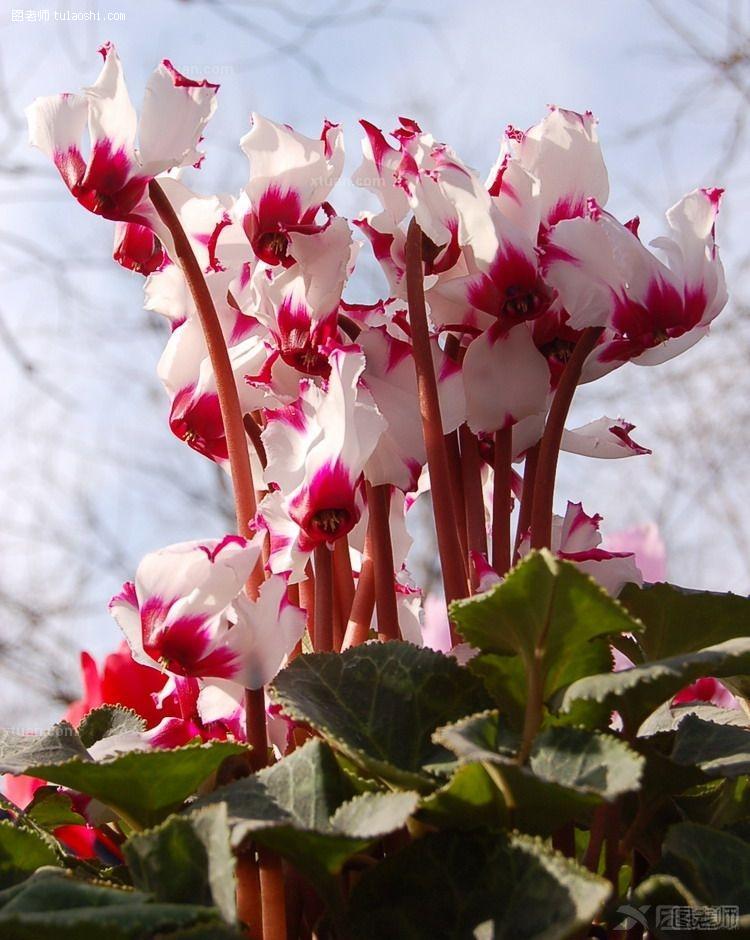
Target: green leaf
(108, 720)
(585, 761)
(635, 693)
(504, 678)
(308, 785)
(569, 771)
(379, 704)
(303, 808)
(678, 620)
(713, 865)
(668, 717)
(50, 808)
(142, 786)
(187, 859)
(721, 750)
(52, 905)
(480, 737)
(22, 852)
(574, 758)
(20, 752)
(447, 885)
(469, 799)
(373, 815)
(547, 603)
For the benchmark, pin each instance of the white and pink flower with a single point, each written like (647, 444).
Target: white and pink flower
(187, 613)
(317, 449)
(291, 177)
(653, 311)
(124, 153)
(576, 538)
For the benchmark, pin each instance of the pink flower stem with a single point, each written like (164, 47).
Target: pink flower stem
(307, 601)
(378, 504)
(249, 905)
(343, 581)
(272, 895)
(449, 546)
(253, 432)
(457, 490)
(231, 413)
(501, 500)
(358, 627)
(471, 473)
(323, 628)
(549, 447)
(527, 494)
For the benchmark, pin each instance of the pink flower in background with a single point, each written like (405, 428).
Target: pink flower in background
(706, 690)
(576, 538)
(122, 681)
(646, 543)
(436, 630)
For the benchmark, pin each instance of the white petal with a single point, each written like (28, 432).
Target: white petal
(286, 161)
(111, 116)
(605, 437)
(56, 126)
(613, 573)
(175, 112)
(323, 258)
(563, 152)
(266, 632)
(202, 577)
(506, 379)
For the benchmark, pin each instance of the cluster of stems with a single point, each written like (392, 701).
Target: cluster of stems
(339, 607)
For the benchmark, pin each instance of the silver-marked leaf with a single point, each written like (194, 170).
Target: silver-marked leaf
(380, 703)
(447, 884)
(635, 693)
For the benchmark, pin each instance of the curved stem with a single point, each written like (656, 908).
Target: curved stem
(549, 447)
(476, 523)
(226, 388)
(249, 907)
(248, 887)
(358, 628)
(527, 494)
(501, 504)
(449, 547)
(272, 895)
(378, 503)
(323, 630)
(343, 581)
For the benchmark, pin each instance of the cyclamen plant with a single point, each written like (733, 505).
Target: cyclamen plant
(274, 751)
